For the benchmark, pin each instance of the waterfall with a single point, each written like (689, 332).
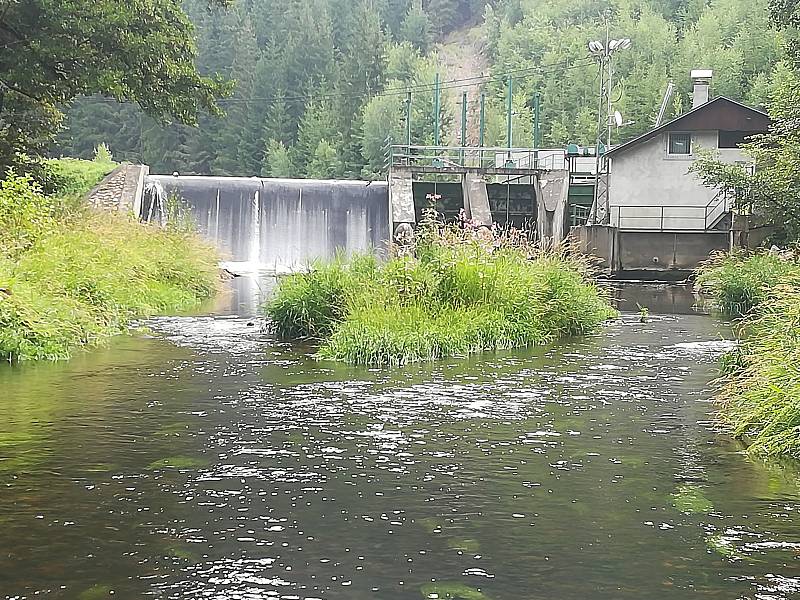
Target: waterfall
(155, 202)
(255, 238)
(279, 225)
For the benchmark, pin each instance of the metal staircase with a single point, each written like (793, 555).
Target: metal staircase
(718, 209)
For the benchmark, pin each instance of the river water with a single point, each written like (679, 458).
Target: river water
(203, 459)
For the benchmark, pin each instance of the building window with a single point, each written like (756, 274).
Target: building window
(733, 139)
(679, 143)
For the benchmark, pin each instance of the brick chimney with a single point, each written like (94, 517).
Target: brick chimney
(702, 86)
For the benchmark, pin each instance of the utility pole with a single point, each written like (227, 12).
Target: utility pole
(537, 120)
(482, 132)
(509, 118)
(436, 109)
(408, 122)
(603, 53)
(463, 124)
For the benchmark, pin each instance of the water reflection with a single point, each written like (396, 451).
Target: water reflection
(658, 298)
(206, 460)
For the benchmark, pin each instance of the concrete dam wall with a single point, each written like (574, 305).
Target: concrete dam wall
(279, 225)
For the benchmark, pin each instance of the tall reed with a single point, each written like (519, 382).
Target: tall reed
(738, 282)
(760, 389)
(455, 295)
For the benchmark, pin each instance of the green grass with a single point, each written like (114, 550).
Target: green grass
(760, 388)
(739, 282)
(75, 177)
(761, 393)
(454, 297)
(70, 278)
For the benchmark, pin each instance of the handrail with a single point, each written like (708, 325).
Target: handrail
(662, 217)
(490, 157)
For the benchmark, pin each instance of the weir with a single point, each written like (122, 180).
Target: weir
(279, 225)
(282, 225)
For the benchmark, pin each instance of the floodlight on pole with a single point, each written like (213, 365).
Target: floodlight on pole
(602, 53)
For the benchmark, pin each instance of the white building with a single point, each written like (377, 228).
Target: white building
(649, 184)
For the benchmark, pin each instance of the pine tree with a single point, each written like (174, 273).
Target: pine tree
(325, 163)
(233, 150)
(318, 124)
(277, 161)
(416, 28)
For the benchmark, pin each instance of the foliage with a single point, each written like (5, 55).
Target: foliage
(277, 162)
(312, 304)
(761, 398)
(774, 188)
(416, 28)
(739, 282)
(81, 283)
(71, 178)
(760, 393)
(25, 214)
(70, 277)
(456, 296)
(55, 50)
(352, 61)
(732, 37)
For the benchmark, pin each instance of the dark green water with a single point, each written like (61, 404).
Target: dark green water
(208, 461)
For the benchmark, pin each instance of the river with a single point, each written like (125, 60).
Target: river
(202, 459)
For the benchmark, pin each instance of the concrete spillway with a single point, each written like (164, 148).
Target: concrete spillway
(281, 224)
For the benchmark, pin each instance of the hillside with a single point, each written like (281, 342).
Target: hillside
(321, 84)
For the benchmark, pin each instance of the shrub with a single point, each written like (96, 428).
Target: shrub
(738, 282)
(25, 214)
(455, 296)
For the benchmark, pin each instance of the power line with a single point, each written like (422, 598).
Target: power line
(401, 91)
(428, 87)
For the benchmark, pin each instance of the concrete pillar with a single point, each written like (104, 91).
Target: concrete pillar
(402, 214)
(476, 198)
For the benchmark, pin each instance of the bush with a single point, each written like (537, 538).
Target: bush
(738, 282)
(760, 387)
(455, 296)
(25, 214)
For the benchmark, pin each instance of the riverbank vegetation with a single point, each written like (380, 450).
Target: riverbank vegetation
(760, 388)
(455, 295)
(70, 276)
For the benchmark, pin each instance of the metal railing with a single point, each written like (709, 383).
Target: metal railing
(668, 218)
(465, 157)
(716, 209)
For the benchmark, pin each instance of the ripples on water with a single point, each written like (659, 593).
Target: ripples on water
(206, 460)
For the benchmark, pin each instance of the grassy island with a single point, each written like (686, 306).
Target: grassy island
(760, 392)
(71, 276)
(453, 295)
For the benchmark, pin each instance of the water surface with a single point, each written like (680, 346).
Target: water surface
(206, 460)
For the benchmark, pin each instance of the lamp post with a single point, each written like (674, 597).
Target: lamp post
(603, 53)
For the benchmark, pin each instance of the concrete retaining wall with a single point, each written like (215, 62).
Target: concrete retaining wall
(661, 251)
(654, 252)
(599, 241)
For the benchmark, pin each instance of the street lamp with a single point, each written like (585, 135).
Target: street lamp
(602, 53)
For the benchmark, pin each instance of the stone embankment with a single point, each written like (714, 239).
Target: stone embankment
(121, 190)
